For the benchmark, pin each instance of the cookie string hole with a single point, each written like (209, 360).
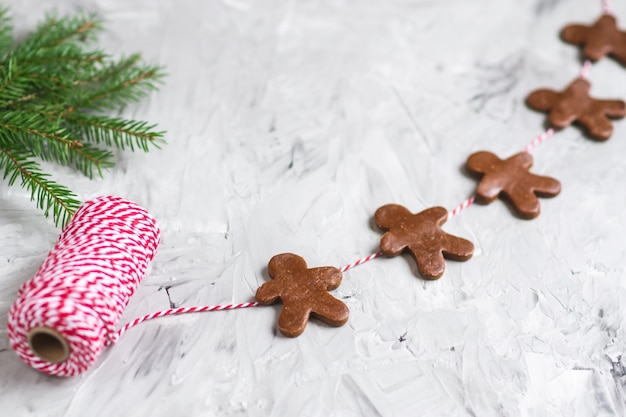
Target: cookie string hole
(48, 344)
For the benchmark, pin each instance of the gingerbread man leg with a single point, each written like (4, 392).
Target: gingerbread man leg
(430, 264)
(331, 311)
(525, 203)
(598, 126)
(598, 123)
(620, 53)
(458, 249)
(293, 319)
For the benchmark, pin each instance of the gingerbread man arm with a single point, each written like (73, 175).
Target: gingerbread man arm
(542, 99)
(575, 34)
(391, 244)
(482, 164)
(390, 215)
(330, 276)
(268, 293)
(387, 217)
(438, 215)
(613, 108)
(619, 52)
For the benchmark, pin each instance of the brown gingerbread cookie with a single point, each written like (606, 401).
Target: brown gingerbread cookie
(575, 104)
(303, 292)
(511, 179)
(600, 39)
(421, 234)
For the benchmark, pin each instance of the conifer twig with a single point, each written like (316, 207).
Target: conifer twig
(54, 91)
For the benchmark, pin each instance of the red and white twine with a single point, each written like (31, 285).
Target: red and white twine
(85, 283)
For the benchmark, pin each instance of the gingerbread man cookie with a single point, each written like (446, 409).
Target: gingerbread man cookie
(511, 179)
(575, 104)
(421, 234)
(600, 39)
(303, 292)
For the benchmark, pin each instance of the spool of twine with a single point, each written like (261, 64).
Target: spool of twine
(68, 312)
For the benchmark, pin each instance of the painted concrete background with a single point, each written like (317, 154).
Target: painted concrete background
(289, 123)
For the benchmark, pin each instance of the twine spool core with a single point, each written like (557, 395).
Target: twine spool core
(48, 344)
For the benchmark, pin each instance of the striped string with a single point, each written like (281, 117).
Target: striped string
(360, 261)
(584, 71)
(461, 207)
(539, 140)
(181, 310)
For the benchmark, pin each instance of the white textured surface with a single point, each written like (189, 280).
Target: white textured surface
(289, 123)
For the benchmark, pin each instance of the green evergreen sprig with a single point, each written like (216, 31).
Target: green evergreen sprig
(54, 95)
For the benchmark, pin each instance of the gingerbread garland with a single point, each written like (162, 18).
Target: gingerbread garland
(304, 291)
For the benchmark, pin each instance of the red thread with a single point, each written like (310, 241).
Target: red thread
(584, 71)
(539, 140)
(461, 207)
(360, 261)
(80, 291)
(181, 310)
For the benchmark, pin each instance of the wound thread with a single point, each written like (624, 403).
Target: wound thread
(66, 314)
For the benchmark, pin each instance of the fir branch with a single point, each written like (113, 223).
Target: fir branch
(113, 131)
(54, 31)
(128, 84)
(45, 138)
(86, 158)
(50, 196)
(53, 91)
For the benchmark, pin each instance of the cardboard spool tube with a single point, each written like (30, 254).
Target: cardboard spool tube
(48, 344)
